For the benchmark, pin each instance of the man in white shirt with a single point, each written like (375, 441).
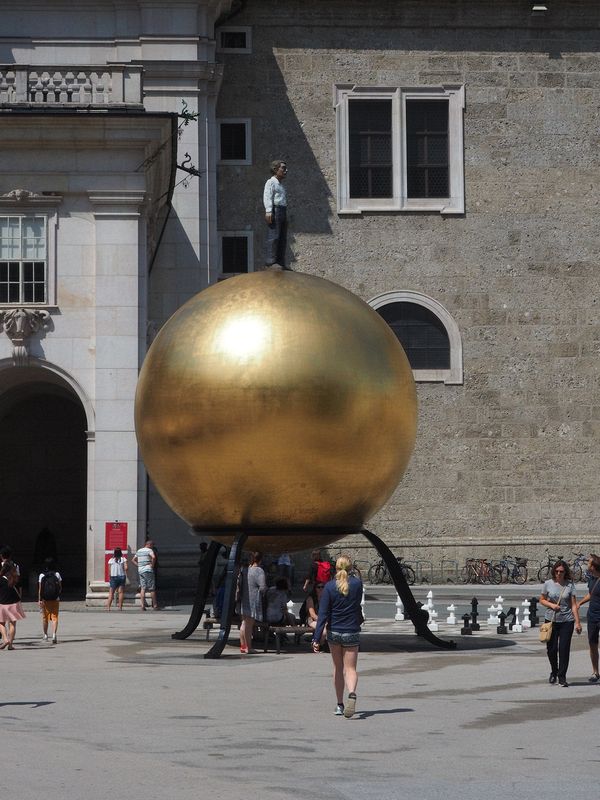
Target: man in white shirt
(275, 202)
(144, 559)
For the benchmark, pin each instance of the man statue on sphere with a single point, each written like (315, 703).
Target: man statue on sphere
(275, 202)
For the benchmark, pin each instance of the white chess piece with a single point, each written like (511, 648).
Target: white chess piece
(431, 624)
(517, 627)
(399, 610)
(526, 617)
(493, 619)
(451, 618)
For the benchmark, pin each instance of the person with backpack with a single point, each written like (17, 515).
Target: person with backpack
(49, 590)
(320, 571)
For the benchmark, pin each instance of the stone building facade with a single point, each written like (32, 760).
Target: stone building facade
(443, 161)
(505, 256)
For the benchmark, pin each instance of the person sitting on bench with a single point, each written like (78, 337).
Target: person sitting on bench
(277, 598)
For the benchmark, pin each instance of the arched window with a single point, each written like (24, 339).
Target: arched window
(427, 332)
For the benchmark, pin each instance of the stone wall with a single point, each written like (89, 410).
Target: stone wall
(508, 460)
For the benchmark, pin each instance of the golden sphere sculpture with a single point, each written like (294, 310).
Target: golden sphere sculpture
(276, 401)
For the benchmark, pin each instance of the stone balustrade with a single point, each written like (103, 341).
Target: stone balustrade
(68, 86)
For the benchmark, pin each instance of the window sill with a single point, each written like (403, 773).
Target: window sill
(42, 306)
(447, 376)
(444, 206)
(240, 162)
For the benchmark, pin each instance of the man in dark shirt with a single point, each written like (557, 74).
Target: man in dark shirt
(593, 615)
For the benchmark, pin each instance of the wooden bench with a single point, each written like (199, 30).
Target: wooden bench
(210, 622)
(297, 631)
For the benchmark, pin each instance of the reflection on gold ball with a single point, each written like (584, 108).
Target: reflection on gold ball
(280, 401)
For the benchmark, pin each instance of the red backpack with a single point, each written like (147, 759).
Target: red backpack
(323, 572)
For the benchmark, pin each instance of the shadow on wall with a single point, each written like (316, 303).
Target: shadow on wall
(176, 272)
(277, 132)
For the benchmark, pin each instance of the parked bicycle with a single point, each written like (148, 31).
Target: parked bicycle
(545, 570)
(480, 570)
(513, 570)
(579, 567)
(378, 572)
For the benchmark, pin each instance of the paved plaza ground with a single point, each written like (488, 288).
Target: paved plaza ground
(118, 709)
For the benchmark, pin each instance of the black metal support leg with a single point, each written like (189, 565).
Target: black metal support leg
(233, 567)
(419, 617)
(205, 575)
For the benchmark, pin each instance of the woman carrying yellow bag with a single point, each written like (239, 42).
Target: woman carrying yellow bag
(558, 596)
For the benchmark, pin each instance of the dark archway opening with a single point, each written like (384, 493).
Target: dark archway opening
(43, 483)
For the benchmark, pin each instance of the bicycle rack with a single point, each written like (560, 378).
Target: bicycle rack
(449, 570)
(419, 568)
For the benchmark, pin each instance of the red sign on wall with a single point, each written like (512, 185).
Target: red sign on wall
(115, 535)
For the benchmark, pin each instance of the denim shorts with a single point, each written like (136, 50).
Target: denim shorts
(116, 580)
(345, 639)
(593, 630)
(147, 581)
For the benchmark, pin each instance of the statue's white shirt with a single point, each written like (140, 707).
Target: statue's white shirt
(274, 194)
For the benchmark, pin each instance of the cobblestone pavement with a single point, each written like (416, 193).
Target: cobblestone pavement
(119, 709)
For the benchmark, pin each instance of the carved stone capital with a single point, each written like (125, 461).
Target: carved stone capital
(19, 324)
(21, 195)
(24, 197)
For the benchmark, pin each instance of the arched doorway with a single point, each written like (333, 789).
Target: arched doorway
(43, 476)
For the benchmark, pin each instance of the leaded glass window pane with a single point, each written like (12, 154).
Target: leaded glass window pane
(10, 237)
(34, 237)
(420, 332)
(370, 144)
(9, 282)
(427, 154)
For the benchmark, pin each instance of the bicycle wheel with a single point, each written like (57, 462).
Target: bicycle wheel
(409, 573)
(380, 573)
(464, 575)
(544, 573)
(495, 575)
(372, 573)
(576, 573)
(504, 574)
(519, 574)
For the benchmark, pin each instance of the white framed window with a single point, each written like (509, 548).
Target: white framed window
(399, 149)
(24, 259)
(234, 39)
(235, 142)
(427, 332)
(236, 252)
